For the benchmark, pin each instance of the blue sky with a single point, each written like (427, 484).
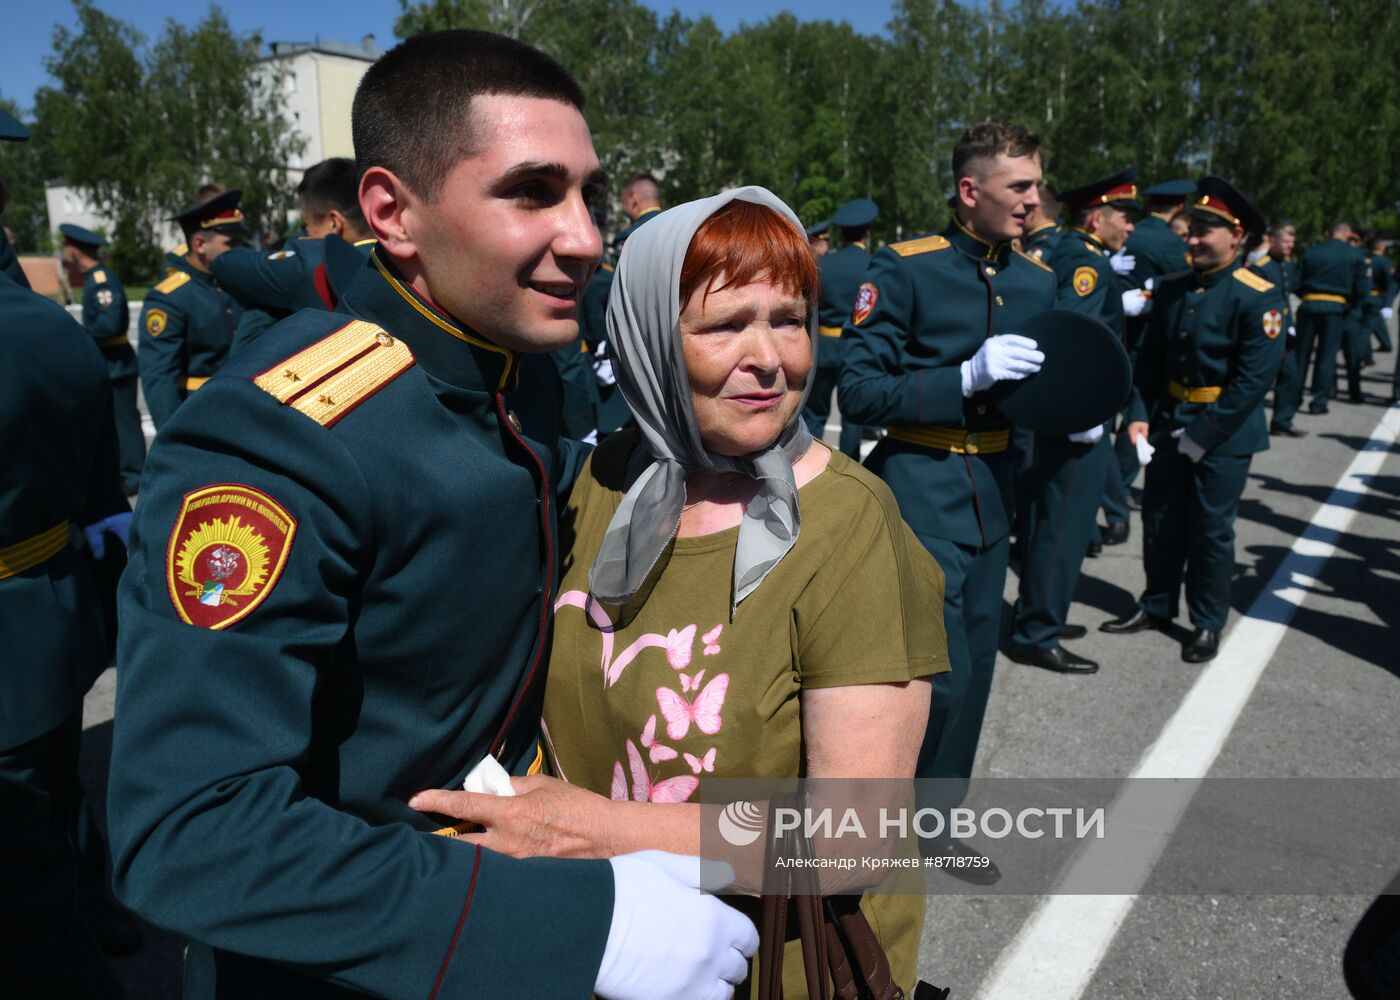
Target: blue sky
(28, 26)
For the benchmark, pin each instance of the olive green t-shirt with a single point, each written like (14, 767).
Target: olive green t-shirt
(645, 702)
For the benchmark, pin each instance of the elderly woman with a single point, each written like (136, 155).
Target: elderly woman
(737, 600)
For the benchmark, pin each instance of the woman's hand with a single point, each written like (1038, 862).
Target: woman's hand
(546, 818)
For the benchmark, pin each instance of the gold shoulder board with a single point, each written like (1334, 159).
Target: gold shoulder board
(172, 281)
(926, 244)
(99, 276)
(1262, 260)
(337, 373)
(1253, 280)
(1036, 261)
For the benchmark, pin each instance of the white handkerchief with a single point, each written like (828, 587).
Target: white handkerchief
(488, 778)
(1144, 450)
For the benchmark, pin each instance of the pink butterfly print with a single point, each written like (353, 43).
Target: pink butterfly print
(676, 789)
(657, 751)
(705, 763)
(704, 711)
(619, 783)
(678, 647)
(689, 683)
(711, 640)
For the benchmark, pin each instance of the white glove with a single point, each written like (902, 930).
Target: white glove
(1387, 312)
(1187, 447)
(1144, 450)
(1007, 357)
(1089, 436)
(602, 366)
(1122, 262)
(117, 524)
(669, 939)
(1136, 302)
(1147, 285)
(1257, 254)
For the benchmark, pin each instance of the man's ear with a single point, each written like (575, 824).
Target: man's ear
(388, 206)
(336, 220)
(967, 192)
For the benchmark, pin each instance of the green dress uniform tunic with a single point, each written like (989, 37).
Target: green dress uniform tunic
(339, 594)
(59, 473)
(106, 319)
(1040, 242)
(187, 326)
(1283, 275)
(271, 287)
(841, 275)
(1211, 352)
(1067, 477)
(9, 263)
(925, 307)
(1331, 279)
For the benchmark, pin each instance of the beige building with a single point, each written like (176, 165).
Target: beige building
(318, 82)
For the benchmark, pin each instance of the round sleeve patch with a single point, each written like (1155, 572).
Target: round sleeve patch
(156, 321)
(1273, 323)
(866, 298)
(227, 549)
(104, 297)
(1085, 278)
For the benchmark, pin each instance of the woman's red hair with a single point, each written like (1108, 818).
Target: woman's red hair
(744, 243)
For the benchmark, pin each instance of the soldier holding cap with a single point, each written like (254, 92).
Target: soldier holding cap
(1068, 471)
(1211, 351)
(841, 274)
(933, 329)
(188, 321)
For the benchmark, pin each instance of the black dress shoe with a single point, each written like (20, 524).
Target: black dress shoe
(1095, 550)
(1138, 621)
(1116, 533)
(1073, 632)
(1318, 411)
(1356, 397)
(1202, 646)
(955, 858)
(1059, 659)
(1279, 430)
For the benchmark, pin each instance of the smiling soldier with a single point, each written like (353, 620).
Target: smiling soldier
(340, 595)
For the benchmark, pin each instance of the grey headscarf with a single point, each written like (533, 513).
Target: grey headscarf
(645, 337)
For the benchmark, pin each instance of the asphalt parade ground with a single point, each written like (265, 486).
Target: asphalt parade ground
(1305, 687)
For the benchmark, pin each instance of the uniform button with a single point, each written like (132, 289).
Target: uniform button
(384, 339)
(999, 301)
(991, 271)
(1190, 312)
(514, 421)
(981, 409)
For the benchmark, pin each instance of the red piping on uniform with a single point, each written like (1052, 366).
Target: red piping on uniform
(499, 741)
(461, 922)
(323, 286)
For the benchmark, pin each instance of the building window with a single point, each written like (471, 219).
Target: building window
(291, 83)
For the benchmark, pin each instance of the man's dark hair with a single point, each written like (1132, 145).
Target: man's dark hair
(988, 140)
(850, 234)
(642, 177)
(332, 184)
(412, 112)
(207, 191)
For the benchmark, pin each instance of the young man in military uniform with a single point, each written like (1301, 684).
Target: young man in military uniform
(1374, 310)
(1152, 252)
(1068, 472)
(819, 238)
(188, 321)
(1042, 230)
(341, 588)
(841, 274)
(272, 286)
(1210, 353)
(932, 330)
(1332, 280)
(1276, 266)
(61, 485)
(106, 319)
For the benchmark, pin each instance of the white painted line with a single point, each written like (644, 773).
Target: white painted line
(1060, 947)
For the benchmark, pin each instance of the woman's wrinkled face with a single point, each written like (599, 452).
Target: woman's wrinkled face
(748, 355)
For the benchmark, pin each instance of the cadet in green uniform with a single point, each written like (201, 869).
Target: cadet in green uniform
(1210, 353)
(1331, 281)
(1278, 267)
(1152, 252)
(1068, 472)
(932, 330)
(341, 588)
(106, 319)
(188, 321)
(273, 286)
(1382, 293)
(58, 483)
(841, 274)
